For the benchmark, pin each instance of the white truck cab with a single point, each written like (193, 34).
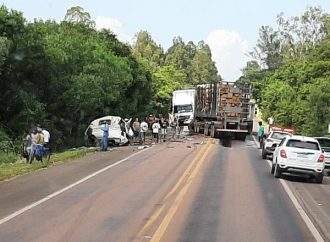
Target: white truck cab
(183, 105)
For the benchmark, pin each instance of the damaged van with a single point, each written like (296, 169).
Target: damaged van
(94, 133)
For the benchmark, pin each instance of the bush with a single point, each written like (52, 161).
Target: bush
(8, 157)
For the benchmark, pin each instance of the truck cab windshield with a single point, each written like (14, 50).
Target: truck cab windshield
(183, 108)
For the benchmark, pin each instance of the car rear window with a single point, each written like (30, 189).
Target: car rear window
(302, 144)
(324, 142)
(278, 135)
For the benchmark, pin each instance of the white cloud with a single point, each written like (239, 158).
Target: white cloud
(228, 52)
(114, 25)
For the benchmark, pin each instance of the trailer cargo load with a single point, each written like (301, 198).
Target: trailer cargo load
(223, 110)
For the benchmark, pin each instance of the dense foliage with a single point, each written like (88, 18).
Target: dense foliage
(292, 81)
(64, 75)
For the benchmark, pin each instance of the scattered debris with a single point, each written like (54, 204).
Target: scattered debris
(141, 147)
(199, 143)
(188, 146)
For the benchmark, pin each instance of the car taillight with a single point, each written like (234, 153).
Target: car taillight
(283, 154)
(321, 158)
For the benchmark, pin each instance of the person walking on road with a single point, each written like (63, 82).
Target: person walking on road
(155, 131)
(143, 130)
(105, 137)
(163, 129)
(136, 129)
(261, 133)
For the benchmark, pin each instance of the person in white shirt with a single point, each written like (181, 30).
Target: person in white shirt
(155, 131)
(270, 122)
(143, 130)
(46, 138)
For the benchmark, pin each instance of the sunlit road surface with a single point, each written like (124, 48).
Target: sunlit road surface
(180, 191)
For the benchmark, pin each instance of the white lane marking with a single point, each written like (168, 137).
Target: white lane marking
(15, 214)
(296, 204)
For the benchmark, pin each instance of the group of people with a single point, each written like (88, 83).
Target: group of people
(157, 126)
(35, 143)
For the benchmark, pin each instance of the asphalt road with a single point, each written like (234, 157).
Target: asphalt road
(179, 191)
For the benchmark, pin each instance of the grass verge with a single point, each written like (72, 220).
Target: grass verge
(20, 167)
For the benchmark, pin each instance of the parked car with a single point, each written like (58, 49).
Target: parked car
(325, 146)
(298, 155)
(274, 137)
(93, 134)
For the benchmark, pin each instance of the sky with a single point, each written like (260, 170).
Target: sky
(229, 27)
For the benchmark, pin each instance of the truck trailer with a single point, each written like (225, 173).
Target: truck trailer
(222, 110)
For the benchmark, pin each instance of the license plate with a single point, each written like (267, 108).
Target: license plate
(302, 156)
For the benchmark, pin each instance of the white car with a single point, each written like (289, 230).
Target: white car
(93, 134)
(325, 146)
(299, 155)
(274, 137)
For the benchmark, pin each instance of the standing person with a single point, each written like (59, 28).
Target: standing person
(163, 129)
(105, 137)
(46, 138)
(143, 130)
(155, 131)
(128, 130)
(40, 144)
(136, 129)
(270, 122)
(261, 133)
(34, 136)
(27, 146)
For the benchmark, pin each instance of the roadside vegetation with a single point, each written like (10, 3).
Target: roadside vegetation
(291, 77)
(13, 165)
(62, 75)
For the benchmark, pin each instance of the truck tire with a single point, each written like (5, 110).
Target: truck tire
(206, 131)
(212, 132)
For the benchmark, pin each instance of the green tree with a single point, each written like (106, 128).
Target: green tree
(146, 49)
(78, 15)
(203, 69)
(166, 80)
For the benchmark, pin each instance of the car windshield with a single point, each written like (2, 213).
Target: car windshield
(278, 135)
(324, 142)
(303, 144)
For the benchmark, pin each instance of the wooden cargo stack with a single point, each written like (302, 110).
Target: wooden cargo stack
(230, 100)
(205, 100)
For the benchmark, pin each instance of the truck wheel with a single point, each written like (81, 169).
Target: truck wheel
(212, 132)
(277, 171)
(319, 179)
(206, 131)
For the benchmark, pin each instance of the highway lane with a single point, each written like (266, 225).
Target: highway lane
(111, 206)
(236, 199)
(172, 192)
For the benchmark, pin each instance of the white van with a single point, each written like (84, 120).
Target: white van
(93, 134)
